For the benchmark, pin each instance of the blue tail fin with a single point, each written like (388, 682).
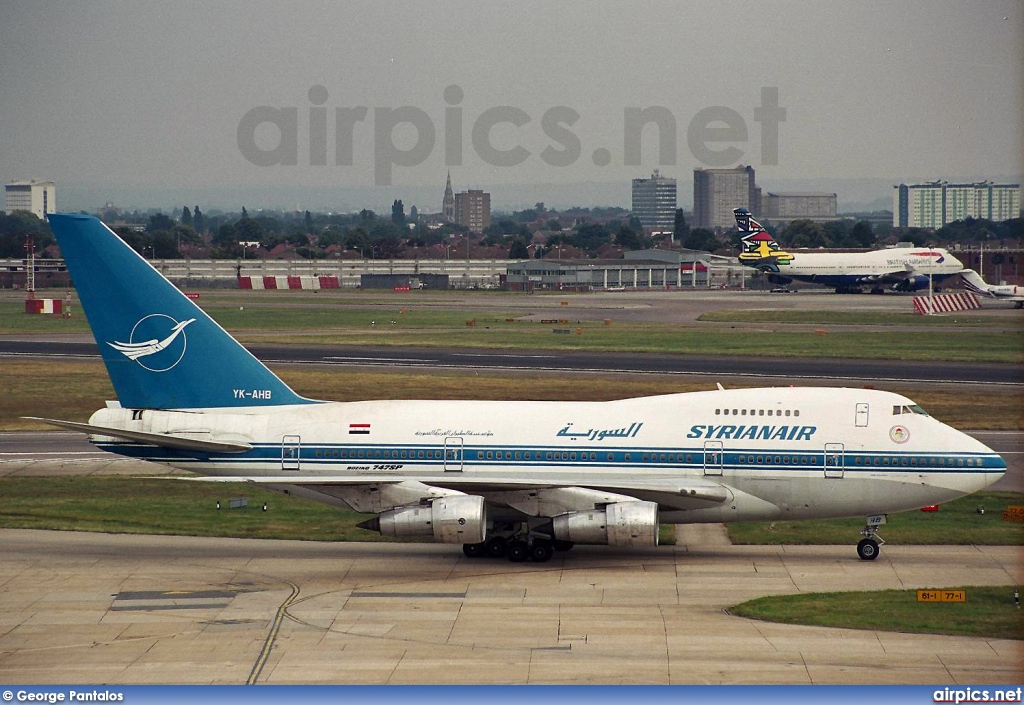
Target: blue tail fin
(161, 350)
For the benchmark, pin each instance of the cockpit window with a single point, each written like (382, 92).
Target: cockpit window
(908, 409)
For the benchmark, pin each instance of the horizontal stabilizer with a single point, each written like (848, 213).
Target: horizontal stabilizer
(162, 440)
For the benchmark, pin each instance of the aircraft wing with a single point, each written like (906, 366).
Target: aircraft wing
(676, 493)
(893, 276)
(162, 440)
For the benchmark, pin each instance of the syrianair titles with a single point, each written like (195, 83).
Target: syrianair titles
(753, 432)
(515, 479)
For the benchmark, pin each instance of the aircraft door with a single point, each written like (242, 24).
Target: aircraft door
(834, 460)
(453, 454)
(713, 457)
(291, 449)
(862, 415)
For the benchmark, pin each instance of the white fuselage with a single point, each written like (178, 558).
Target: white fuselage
(780, 452)
(852, 269)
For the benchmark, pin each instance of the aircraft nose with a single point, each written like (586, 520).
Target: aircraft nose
(993, 465)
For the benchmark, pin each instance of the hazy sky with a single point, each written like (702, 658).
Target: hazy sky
(123, 96)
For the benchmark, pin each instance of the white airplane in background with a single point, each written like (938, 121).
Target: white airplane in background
(902, 268)
(1003, 292)
(520, 479)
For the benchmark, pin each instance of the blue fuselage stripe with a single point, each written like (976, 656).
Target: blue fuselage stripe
(699, 458)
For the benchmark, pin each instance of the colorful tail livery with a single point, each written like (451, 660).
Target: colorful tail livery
(759, 248)
(161, 350)
(515, 478)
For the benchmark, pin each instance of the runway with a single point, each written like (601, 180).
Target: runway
(118, 609)
(763, 368)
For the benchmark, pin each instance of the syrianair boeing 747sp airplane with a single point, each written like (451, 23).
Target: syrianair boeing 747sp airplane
(521, 479)
(902, 268)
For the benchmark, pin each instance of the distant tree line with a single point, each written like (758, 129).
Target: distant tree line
(529, 233)
(16, 227)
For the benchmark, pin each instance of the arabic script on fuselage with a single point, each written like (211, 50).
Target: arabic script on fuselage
(454, 432)
(599, 434)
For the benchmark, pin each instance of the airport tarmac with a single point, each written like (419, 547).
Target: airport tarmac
(127, 609)
(98, 608)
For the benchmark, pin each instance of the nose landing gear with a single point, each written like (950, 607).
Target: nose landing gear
(868, 547)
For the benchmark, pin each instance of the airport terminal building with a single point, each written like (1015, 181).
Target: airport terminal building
(642, 269)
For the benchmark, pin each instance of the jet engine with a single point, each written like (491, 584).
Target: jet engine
(912, 283)
(454, 519)
(619, 524)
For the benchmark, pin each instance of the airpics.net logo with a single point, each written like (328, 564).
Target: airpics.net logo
(157, 342)
(269, 136)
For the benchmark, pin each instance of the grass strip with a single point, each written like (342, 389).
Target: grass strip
(117, 504)
(83, 387)
(957, 523)
(134, 505)
(989, 612)
(169, 506)
(73, 389)
(322, 323)
(847, 318)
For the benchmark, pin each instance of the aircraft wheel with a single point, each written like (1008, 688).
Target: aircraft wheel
(541, 551)
(473, 550)
(518, 551)
(560, 545)
(867, 549)
(496, 546)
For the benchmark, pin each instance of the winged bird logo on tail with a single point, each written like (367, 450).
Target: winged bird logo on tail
(135, 350)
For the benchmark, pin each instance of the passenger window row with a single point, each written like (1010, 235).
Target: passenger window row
(757, 412)
(687, 458)
(879, 461)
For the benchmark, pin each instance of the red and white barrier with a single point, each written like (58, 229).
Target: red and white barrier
(945, 303)
(289, 282)
(43, 306)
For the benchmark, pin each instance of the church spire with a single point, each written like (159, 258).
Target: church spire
(448, 204)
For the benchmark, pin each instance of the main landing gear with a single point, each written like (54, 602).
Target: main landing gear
(517, 547)
(868, 547)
